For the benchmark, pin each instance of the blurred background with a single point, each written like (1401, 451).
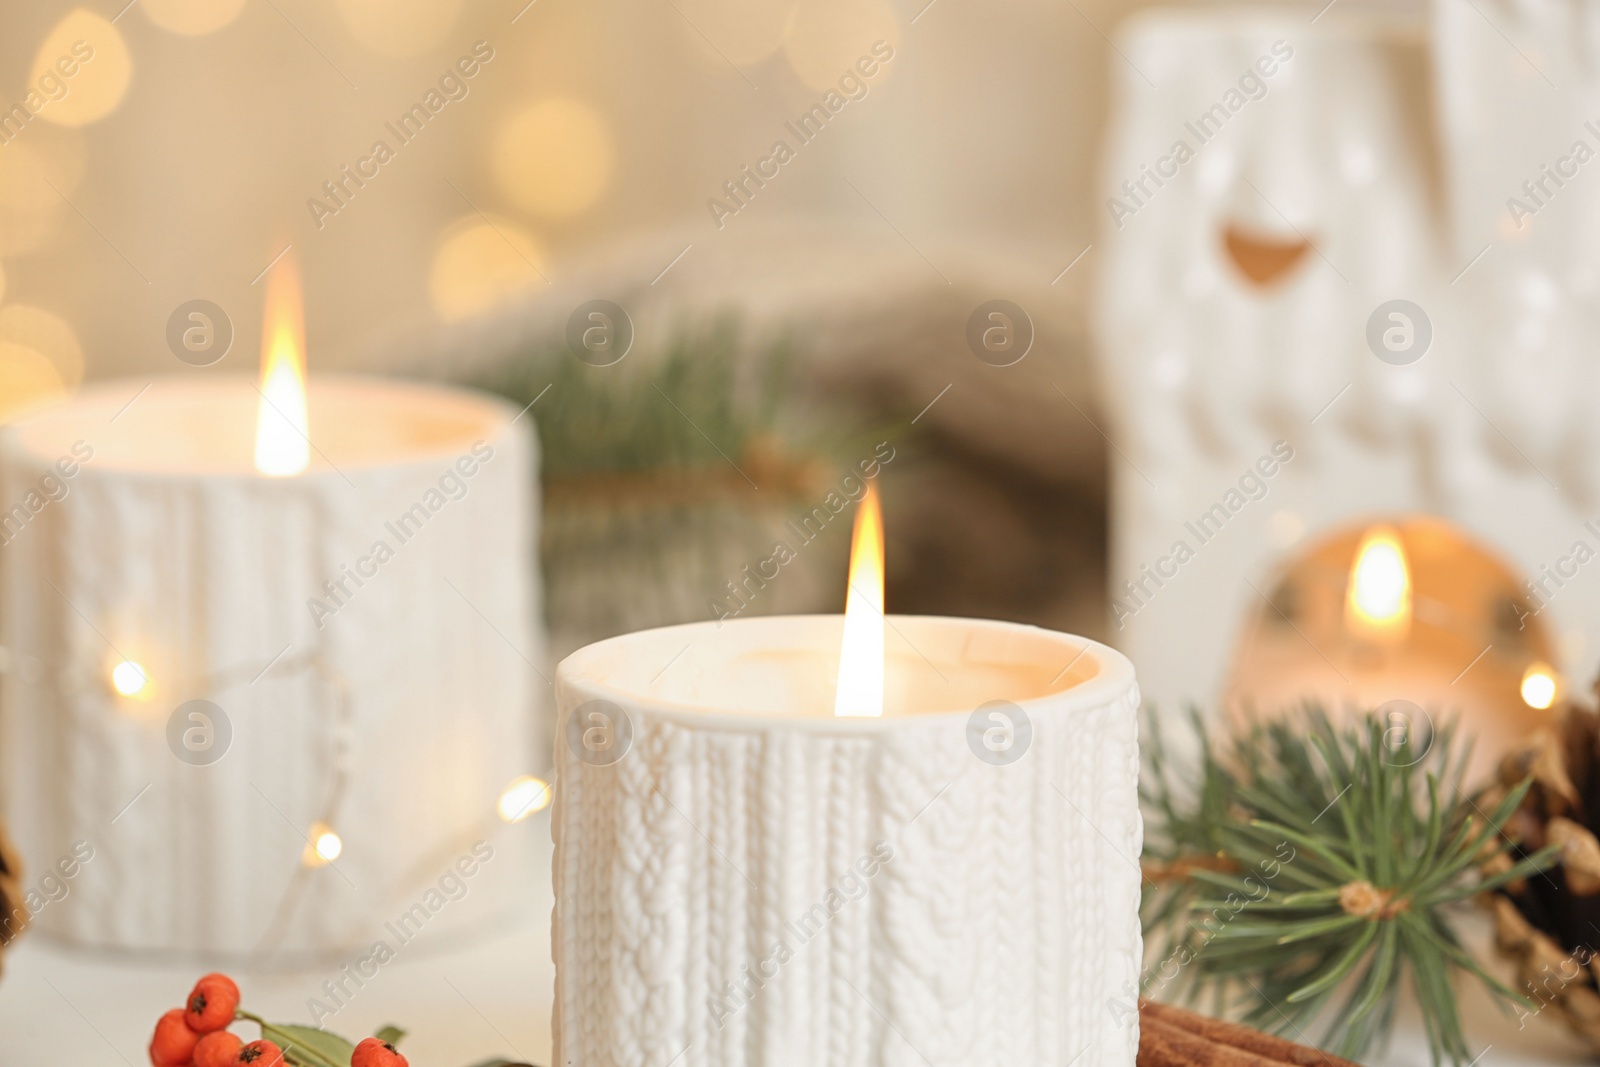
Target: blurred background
(580, 162)
(1254, 340)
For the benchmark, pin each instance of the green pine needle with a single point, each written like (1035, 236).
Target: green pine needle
(671, 405)
(1299, 872)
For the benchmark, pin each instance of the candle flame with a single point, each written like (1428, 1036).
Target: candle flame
(1378, 601)
(860, 691)
(282, 445)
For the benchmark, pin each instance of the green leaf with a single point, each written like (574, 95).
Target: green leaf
(390, 1034)
(306, 1046)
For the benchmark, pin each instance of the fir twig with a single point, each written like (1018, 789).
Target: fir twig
(1300, 871)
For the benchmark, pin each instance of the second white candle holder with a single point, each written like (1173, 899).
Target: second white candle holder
(272, 735)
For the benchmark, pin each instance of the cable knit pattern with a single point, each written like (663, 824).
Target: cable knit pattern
(694, 879)
(204, 579)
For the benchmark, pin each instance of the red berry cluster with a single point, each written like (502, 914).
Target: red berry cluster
(197, 1035)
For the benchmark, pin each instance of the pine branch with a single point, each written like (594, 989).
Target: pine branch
(1307, 870)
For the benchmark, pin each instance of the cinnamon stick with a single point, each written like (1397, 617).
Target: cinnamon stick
(1175, 1037)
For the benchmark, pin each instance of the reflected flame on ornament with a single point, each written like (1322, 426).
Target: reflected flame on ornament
(523, 797)
(1378, 600)
(860, 691)
(1539, 686)
(282, 425)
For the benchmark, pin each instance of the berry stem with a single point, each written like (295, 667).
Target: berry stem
(293, 1052)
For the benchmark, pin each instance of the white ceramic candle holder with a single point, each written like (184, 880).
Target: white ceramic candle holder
(387, 693)
(743, 879)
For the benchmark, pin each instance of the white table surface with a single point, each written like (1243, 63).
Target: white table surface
(466, 1001)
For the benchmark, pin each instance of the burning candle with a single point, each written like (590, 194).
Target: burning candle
(1407, 618)
(299, 613)
(869, 839)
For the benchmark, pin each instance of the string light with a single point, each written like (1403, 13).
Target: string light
(129, 679)
(1539, 686)
(323, 846)
(523, 797)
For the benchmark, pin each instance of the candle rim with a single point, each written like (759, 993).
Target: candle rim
(1113, 677)
(22, 436)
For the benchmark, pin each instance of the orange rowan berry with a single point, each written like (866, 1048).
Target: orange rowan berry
(375, 1052)
(211, 1003)
(173, 1043)
(217, 1049)
(259, 1054)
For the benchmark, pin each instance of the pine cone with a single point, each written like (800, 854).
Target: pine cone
(1549, 924)
(13, 912)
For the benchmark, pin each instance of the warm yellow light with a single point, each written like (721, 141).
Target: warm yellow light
(399, 27)
(47, 334)
(323, 846)
(282, 444)
(92, 49)
(1378, 600)
(555, 158)
(860, 691)
(740, 32)
(191, 18)
(481, 263)
(523, 797)
(825, 39)
(1539, 686)
(27, 380)
(129, 679)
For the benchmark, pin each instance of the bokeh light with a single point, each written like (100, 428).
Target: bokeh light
(1539, 686)
(48, 335)
(93, 49)
(24, 182)
(22, 231)
(743, 32)
(323, 846)
(523, 797)
(191, 17)
(27, 380)
(129, 679)
(826, 38)
(554, 158)
(399, 27)
(481, 262)
(33, 162)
